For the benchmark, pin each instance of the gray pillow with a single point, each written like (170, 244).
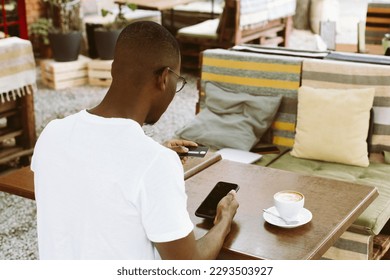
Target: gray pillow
(231, 119)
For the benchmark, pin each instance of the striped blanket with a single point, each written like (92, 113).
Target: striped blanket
(17, 72)
(258, 74)
(280, 8)
(253, 12)
(343, 75)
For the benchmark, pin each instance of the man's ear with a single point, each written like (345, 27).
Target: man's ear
(162, 81)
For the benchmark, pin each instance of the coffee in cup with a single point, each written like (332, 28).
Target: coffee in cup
(289, 203)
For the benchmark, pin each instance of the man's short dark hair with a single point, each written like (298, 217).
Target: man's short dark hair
(147, 42)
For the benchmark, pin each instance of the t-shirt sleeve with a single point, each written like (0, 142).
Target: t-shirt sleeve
(163, 199)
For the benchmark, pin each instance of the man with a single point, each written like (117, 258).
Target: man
(104, 190)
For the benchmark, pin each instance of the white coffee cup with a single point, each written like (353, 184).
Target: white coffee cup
(289, 203)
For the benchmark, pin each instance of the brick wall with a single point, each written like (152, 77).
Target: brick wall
(34, 10)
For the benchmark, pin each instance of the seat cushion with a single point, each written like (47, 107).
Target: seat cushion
(258, 74)
(377, 175)
(280, 8)
(253, 12)
(200, 7)
(332, 125)
(351, 75)
(231, 119)
(205, 29)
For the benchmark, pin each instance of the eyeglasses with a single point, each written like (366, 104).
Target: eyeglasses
(181, 81)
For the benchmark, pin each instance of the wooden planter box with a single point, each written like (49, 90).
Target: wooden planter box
(59, 75)
(99, 72)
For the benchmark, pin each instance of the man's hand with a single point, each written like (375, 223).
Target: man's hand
(178, 145)
(227, 208)
(208, 246)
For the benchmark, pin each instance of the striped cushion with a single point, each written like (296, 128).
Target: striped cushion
(280, 8)
(258, 74)
(200, 7)
(343, 75)
(252, 12)
(204, 29)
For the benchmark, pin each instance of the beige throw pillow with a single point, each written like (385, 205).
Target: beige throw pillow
(332, 125)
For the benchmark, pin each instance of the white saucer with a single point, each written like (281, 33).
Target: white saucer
(304, 217)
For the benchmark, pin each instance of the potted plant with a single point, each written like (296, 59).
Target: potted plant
(39, 33)
(65, 37)
(106, 35)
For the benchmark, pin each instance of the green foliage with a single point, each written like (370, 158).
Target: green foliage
(120, 20)
(40, 29)
(65, 15)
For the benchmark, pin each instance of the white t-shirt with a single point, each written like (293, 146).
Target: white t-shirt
(104, 190)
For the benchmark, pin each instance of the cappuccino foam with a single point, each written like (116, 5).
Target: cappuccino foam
(289, 196)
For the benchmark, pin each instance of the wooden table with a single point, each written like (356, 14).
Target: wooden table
(335, 205)
(19, 182)
(370, 48)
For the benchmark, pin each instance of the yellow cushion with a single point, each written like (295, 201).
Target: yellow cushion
(332, 125)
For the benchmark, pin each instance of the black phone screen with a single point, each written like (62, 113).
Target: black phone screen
(208, 208)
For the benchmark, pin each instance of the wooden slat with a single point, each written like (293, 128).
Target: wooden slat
(63, 76)
(11, 134)
(377, 29)
(12, 153)
(99, 72)
(378, 10)
(100, 64)
(54, 66)
(9, 113)
(65, 84)
(381, 246)
(59, 75)
(99, 82)
(381, 20)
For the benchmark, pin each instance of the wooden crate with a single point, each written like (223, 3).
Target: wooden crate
(99, 72)
(59, 75)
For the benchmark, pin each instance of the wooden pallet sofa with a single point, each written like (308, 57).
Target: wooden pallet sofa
(231, 71)
(190, 14)
(242, 21)
(377, 22)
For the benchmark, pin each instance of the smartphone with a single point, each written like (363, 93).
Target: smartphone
(208, 208)
(199, 151)
(266, 150)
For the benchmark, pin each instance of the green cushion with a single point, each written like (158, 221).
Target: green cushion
(377, 175)
(387, 156)
(231, 119)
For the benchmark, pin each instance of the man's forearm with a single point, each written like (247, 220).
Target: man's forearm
(209, 246)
